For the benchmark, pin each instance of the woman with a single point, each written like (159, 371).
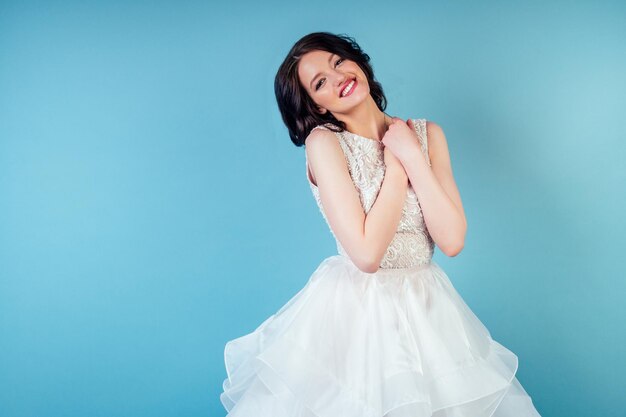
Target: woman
(378, 329)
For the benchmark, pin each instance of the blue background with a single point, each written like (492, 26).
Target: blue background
(152, 206)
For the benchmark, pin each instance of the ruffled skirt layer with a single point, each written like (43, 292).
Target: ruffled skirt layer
(395, 343)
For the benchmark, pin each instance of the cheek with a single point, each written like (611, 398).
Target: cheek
(326, 95)
(354, 68)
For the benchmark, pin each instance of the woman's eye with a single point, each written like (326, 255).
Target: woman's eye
(319, 83)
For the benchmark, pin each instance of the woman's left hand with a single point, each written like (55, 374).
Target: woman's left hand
(401, 138)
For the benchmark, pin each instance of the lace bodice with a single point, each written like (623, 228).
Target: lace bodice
(412, 244)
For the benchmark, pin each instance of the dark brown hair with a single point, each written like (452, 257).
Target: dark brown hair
(298, 110)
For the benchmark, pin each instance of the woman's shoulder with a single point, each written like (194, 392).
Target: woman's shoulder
(425, 130)
(327, 130)
(322, 148)
(433, 131)
(326, 126)
(435, 138)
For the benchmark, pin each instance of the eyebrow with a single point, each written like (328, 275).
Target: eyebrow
(317, 75)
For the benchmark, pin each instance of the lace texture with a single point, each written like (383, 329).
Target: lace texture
(412, 244)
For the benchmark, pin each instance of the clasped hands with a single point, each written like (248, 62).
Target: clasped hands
(400, 144)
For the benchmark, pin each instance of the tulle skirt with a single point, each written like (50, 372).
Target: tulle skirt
(394, 343)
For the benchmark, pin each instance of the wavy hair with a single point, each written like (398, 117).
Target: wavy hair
(298, 110)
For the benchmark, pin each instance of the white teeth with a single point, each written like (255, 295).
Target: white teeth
(348, 88)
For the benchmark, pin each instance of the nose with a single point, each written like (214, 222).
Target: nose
(340, 79)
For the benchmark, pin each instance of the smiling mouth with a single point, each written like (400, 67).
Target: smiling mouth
(348, 89)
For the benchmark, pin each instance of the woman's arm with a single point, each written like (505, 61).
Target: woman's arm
(437, 192)
(364, 237)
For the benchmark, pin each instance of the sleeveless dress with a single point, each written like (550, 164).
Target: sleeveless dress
(399, 342)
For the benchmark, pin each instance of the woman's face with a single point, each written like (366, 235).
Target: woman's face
(325, 76)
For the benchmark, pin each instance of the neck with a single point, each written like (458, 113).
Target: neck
(366, 120)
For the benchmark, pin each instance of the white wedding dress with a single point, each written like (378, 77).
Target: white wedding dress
(399, 342)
